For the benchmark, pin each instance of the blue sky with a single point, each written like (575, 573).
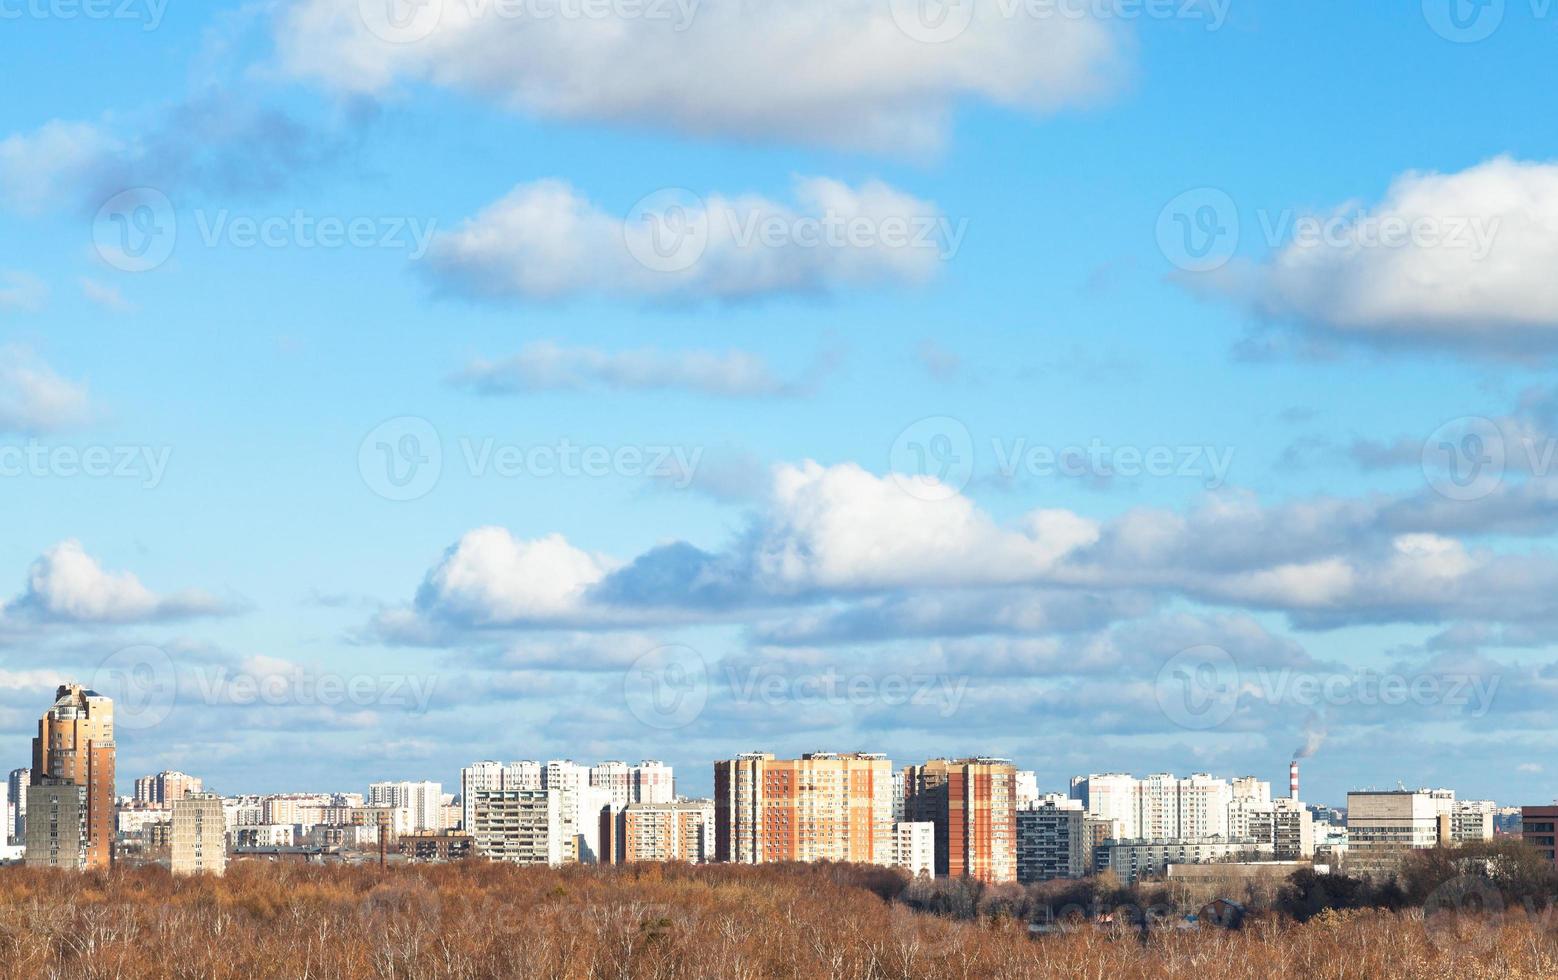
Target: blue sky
(1057, 144)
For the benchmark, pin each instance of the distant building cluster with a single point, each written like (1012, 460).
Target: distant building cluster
(980, 818)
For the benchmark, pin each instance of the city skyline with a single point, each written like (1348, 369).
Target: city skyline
(1087, 385)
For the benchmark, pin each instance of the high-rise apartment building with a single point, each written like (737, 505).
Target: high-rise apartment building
(1051, 840)
(973, 803)
(486, 776)
(199, 843)
(679, 831)
(616, 779)
(57, 826)
(822, 806)
(653, 782)
(75, 744)
(522, 826)
(17, 783)
(166, 787)
(421, 803)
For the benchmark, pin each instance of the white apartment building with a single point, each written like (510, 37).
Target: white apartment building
(522, 826)
(653, 782)
(616, 779)
(914, 848)
(1133, 860)
(487, 776)
(1027, 788)
(1159, 806)
(422, 804)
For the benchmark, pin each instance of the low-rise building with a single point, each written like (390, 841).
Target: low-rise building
(1134, 860)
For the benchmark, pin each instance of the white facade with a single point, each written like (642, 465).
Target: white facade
(489, 776)
(16, 822)
(1027, 788)
(653, 782)
(914, 848)
(421, 803)
(1132, 860)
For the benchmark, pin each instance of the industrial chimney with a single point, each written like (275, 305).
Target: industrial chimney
(1293, 780)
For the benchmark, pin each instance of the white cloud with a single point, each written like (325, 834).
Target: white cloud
(840, 527)
(33, 399)
(492, 577)
(545, 366)
(67, 585)
(106, 295)
(1463, 260)
(22, 292)
(543, 241)
(41, 170)
(835, 72)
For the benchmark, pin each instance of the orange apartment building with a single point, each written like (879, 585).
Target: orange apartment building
(75, 745)
(820, 807)
(973, 803)
(678, 831)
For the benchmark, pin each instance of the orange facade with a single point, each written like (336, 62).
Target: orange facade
(76, 743)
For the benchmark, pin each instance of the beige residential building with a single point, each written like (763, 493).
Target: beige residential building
(166, 787)
(820, 807)
(57, 825)
(199, 835)
(522, 826)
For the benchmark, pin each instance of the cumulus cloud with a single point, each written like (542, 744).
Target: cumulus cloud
(544, 241)
(491, 577)
(546, 366)
(843, 73)
(1460, 260)
(835, 554)
(34, 399)
(67, 585)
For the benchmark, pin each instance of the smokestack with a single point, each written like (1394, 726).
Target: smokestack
(1293, 780)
